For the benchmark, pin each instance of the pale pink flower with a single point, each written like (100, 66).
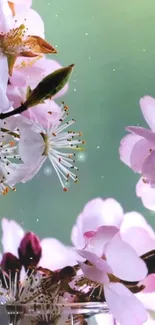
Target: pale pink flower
(21, 35)
(124, 306)
(38, 142)
(13, 236)
(108, 212)
(92, 232)
(137, 150)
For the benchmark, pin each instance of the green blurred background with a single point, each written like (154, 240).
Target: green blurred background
(112, 43)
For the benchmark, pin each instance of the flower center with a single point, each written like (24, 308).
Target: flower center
(12, 42)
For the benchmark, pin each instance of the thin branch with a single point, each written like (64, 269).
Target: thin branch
(17, 110)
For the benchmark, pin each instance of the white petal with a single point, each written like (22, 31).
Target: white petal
(31, 144)
(12, 233)
(55, 255)
(135, 219)
(5, 17)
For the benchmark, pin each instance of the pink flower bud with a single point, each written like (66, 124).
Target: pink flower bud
(10, 263)
(29, 250)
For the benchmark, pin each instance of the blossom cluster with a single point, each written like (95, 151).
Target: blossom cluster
(33, 127)
(112, 260)
(112, 257)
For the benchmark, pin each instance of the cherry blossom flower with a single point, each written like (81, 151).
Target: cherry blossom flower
(91, 231)
(41, 142)
(137, 150)
(108, 212)
(107, 268)
(15, 40)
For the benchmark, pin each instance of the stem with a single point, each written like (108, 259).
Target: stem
(17, 110)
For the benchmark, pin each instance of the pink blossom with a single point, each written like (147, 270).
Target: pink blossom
(99, 221)
(40, 142)
(137, 150)
(114, 252)
(108, 212)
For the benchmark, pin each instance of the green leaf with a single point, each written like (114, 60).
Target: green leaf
(49, 86)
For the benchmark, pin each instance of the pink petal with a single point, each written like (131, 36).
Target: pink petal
(98, 262)
(126, 146)
(123, 305)
(64, 256)
(139, 239)
(12, 233)
(135, 219)
(96, 213)
(148, 168)
(14, 95)
(144, 133)
(147, 194)
(149, 283)
(103, 235)
(147, 105)
(22, 75)
(139, 152)
(117, 251)
(40, 113)
(32, 20)
(93, 273)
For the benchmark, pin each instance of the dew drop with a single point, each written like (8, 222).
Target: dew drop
(81, 156)
(86, 34)
(47, 170)
(74, 89)
(98, 147)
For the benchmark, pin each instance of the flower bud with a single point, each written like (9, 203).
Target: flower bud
(29, 250)
(49, 86)
(11, 265)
